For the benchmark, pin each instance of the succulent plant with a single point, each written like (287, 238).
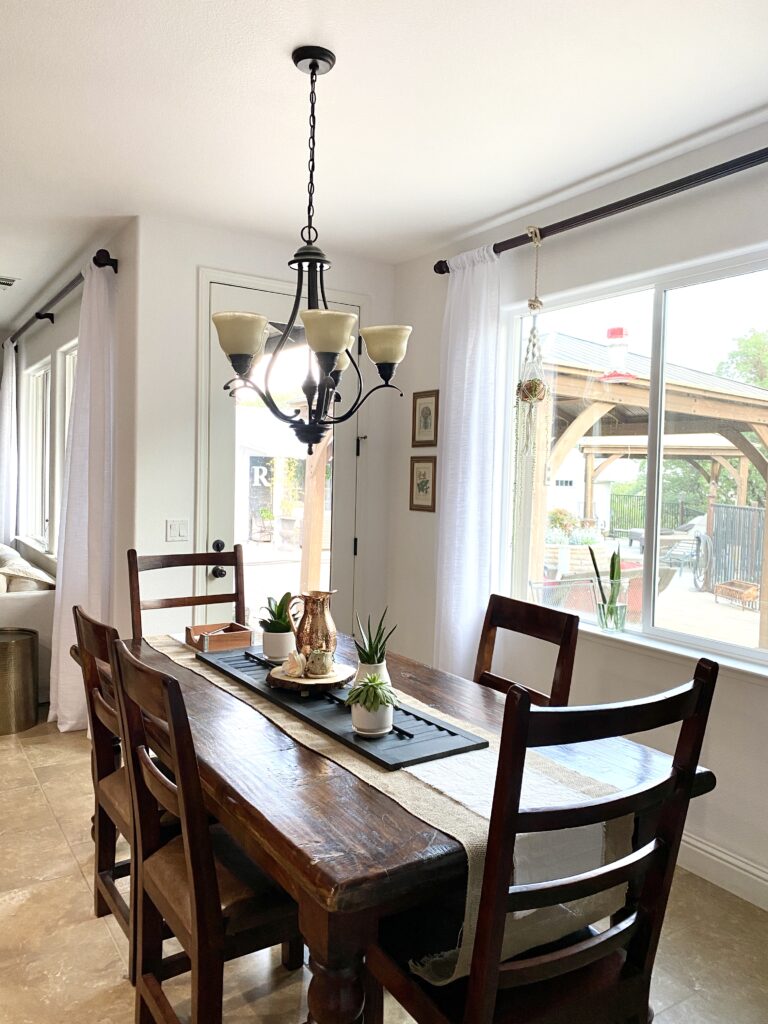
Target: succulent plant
(373, 693)
(279, 615)
(372, 647)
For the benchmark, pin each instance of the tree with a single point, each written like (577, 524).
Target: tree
(748, 362)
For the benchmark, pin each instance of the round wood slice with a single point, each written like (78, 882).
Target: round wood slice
(340, 675)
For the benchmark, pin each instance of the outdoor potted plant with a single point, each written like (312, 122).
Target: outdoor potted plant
(372, 649)
(266, 528)
(373, 702)
(611, 606)
(278, 639)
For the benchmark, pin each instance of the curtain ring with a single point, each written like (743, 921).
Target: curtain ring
(534, 234)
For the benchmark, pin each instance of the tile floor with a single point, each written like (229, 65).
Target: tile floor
(60, 964)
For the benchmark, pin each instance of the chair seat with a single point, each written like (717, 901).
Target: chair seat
(248, 897)
(592, 995)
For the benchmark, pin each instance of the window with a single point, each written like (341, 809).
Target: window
(37, 451)
(657, 413)
(47, 391)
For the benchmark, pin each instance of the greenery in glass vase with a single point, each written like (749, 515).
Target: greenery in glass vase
(614, 612)
(373, 693)
(278, 615)
(372, 646)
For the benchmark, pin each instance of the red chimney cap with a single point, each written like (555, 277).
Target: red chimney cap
(617, 332)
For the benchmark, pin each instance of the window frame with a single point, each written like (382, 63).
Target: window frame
(37, 448)
(660, 282)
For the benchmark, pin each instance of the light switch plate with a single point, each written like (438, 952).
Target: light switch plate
(176, 530)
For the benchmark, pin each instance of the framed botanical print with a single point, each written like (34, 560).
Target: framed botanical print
(423, 483)
(426, 408)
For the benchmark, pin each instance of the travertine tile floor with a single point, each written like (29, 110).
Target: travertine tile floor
(60, 964)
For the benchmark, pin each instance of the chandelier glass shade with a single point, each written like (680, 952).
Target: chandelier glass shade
(331, 335)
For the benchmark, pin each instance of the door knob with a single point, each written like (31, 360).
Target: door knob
(218, 545)
(218, 572)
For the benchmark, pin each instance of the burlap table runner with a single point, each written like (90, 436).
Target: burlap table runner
(454, 795)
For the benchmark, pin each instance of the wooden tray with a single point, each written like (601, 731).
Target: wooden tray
(232, 636)
(417, 737)
(340, 675)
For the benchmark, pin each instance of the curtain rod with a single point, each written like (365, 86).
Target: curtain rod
(740, 163)
(101, 259)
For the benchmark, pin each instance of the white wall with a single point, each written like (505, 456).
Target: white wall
(728, 837)
(171, 251)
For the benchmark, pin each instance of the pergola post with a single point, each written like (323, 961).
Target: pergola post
(314, 515)
(589, 480)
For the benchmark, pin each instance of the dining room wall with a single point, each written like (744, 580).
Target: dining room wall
(166, 398)
(727, 841)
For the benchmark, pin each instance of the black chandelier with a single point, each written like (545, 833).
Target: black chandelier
(330, 335)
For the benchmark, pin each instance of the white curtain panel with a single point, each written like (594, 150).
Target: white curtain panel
(471, 438)
(84, 574)
(9, 452)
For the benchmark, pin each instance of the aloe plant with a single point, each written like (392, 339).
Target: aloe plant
(614, 612)
(278, 615)
(372, 647)
(373, 693)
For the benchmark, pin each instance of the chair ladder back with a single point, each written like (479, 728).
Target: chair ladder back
(155, 716)
(93, 642)
(162, 789)
(542, 623)
(660, 808)
(138, 564)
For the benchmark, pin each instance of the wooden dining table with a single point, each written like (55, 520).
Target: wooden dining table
(347, 853)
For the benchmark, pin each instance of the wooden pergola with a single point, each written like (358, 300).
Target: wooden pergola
(709, 454)
(590, 406)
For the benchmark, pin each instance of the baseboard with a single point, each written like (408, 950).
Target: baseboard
(738, 875)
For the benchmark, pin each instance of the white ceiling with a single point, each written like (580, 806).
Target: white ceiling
(439, 114)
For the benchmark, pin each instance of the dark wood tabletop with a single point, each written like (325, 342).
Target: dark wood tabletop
(346, 852)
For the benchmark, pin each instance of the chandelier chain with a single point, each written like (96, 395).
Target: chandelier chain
(309, 232)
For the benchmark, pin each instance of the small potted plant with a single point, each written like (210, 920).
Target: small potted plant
(266, 528)
(372, 649)
(373, 702)
(278, 639)
(611, 606)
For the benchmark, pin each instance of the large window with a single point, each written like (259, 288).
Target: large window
(37, 452)
(47, 391)
(653, 443)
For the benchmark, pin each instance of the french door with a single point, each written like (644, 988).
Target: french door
(293, 513)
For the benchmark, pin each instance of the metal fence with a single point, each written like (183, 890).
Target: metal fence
(737, 543)
(628, 513)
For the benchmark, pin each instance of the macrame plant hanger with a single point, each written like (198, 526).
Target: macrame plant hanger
(532, 388)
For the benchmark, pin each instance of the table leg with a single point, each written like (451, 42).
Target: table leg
(336, 945)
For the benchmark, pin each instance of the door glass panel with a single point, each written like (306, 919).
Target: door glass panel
(283, 501)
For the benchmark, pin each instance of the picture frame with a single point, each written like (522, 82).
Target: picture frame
(424, 422)
(423, 483)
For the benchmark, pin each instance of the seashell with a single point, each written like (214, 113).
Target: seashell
(295, 665)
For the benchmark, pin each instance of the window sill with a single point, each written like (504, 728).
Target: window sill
(36, 554)
(668, 651)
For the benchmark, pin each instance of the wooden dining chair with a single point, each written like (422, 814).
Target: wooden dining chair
(600, 976)
(548, 624)
(138, 564)
(215, 899)
(110, 780)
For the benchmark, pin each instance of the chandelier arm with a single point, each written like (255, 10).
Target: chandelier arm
(322, 286)
(285, 335)
(237, 383)
(351, 412)
(359, 379)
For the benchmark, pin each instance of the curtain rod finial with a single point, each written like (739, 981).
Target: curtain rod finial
(103, 259)
(441, 267)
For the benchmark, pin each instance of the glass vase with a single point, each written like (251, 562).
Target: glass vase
(612, 614)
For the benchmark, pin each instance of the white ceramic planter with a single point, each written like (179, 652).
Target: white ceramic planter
(372, 723)
(277, 646)
(363, 671)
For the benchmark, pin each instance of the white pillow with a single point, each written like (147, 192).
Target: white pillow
(23, 576)
(3, 583)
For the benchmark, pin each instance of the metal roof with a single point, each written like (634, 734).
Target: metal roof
(565, 350)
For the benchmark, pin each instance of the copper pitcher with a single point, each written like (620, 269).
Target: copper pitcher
(316, 630)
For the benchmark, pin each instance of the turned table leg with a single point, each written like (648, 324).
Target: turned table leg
(336, 946)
